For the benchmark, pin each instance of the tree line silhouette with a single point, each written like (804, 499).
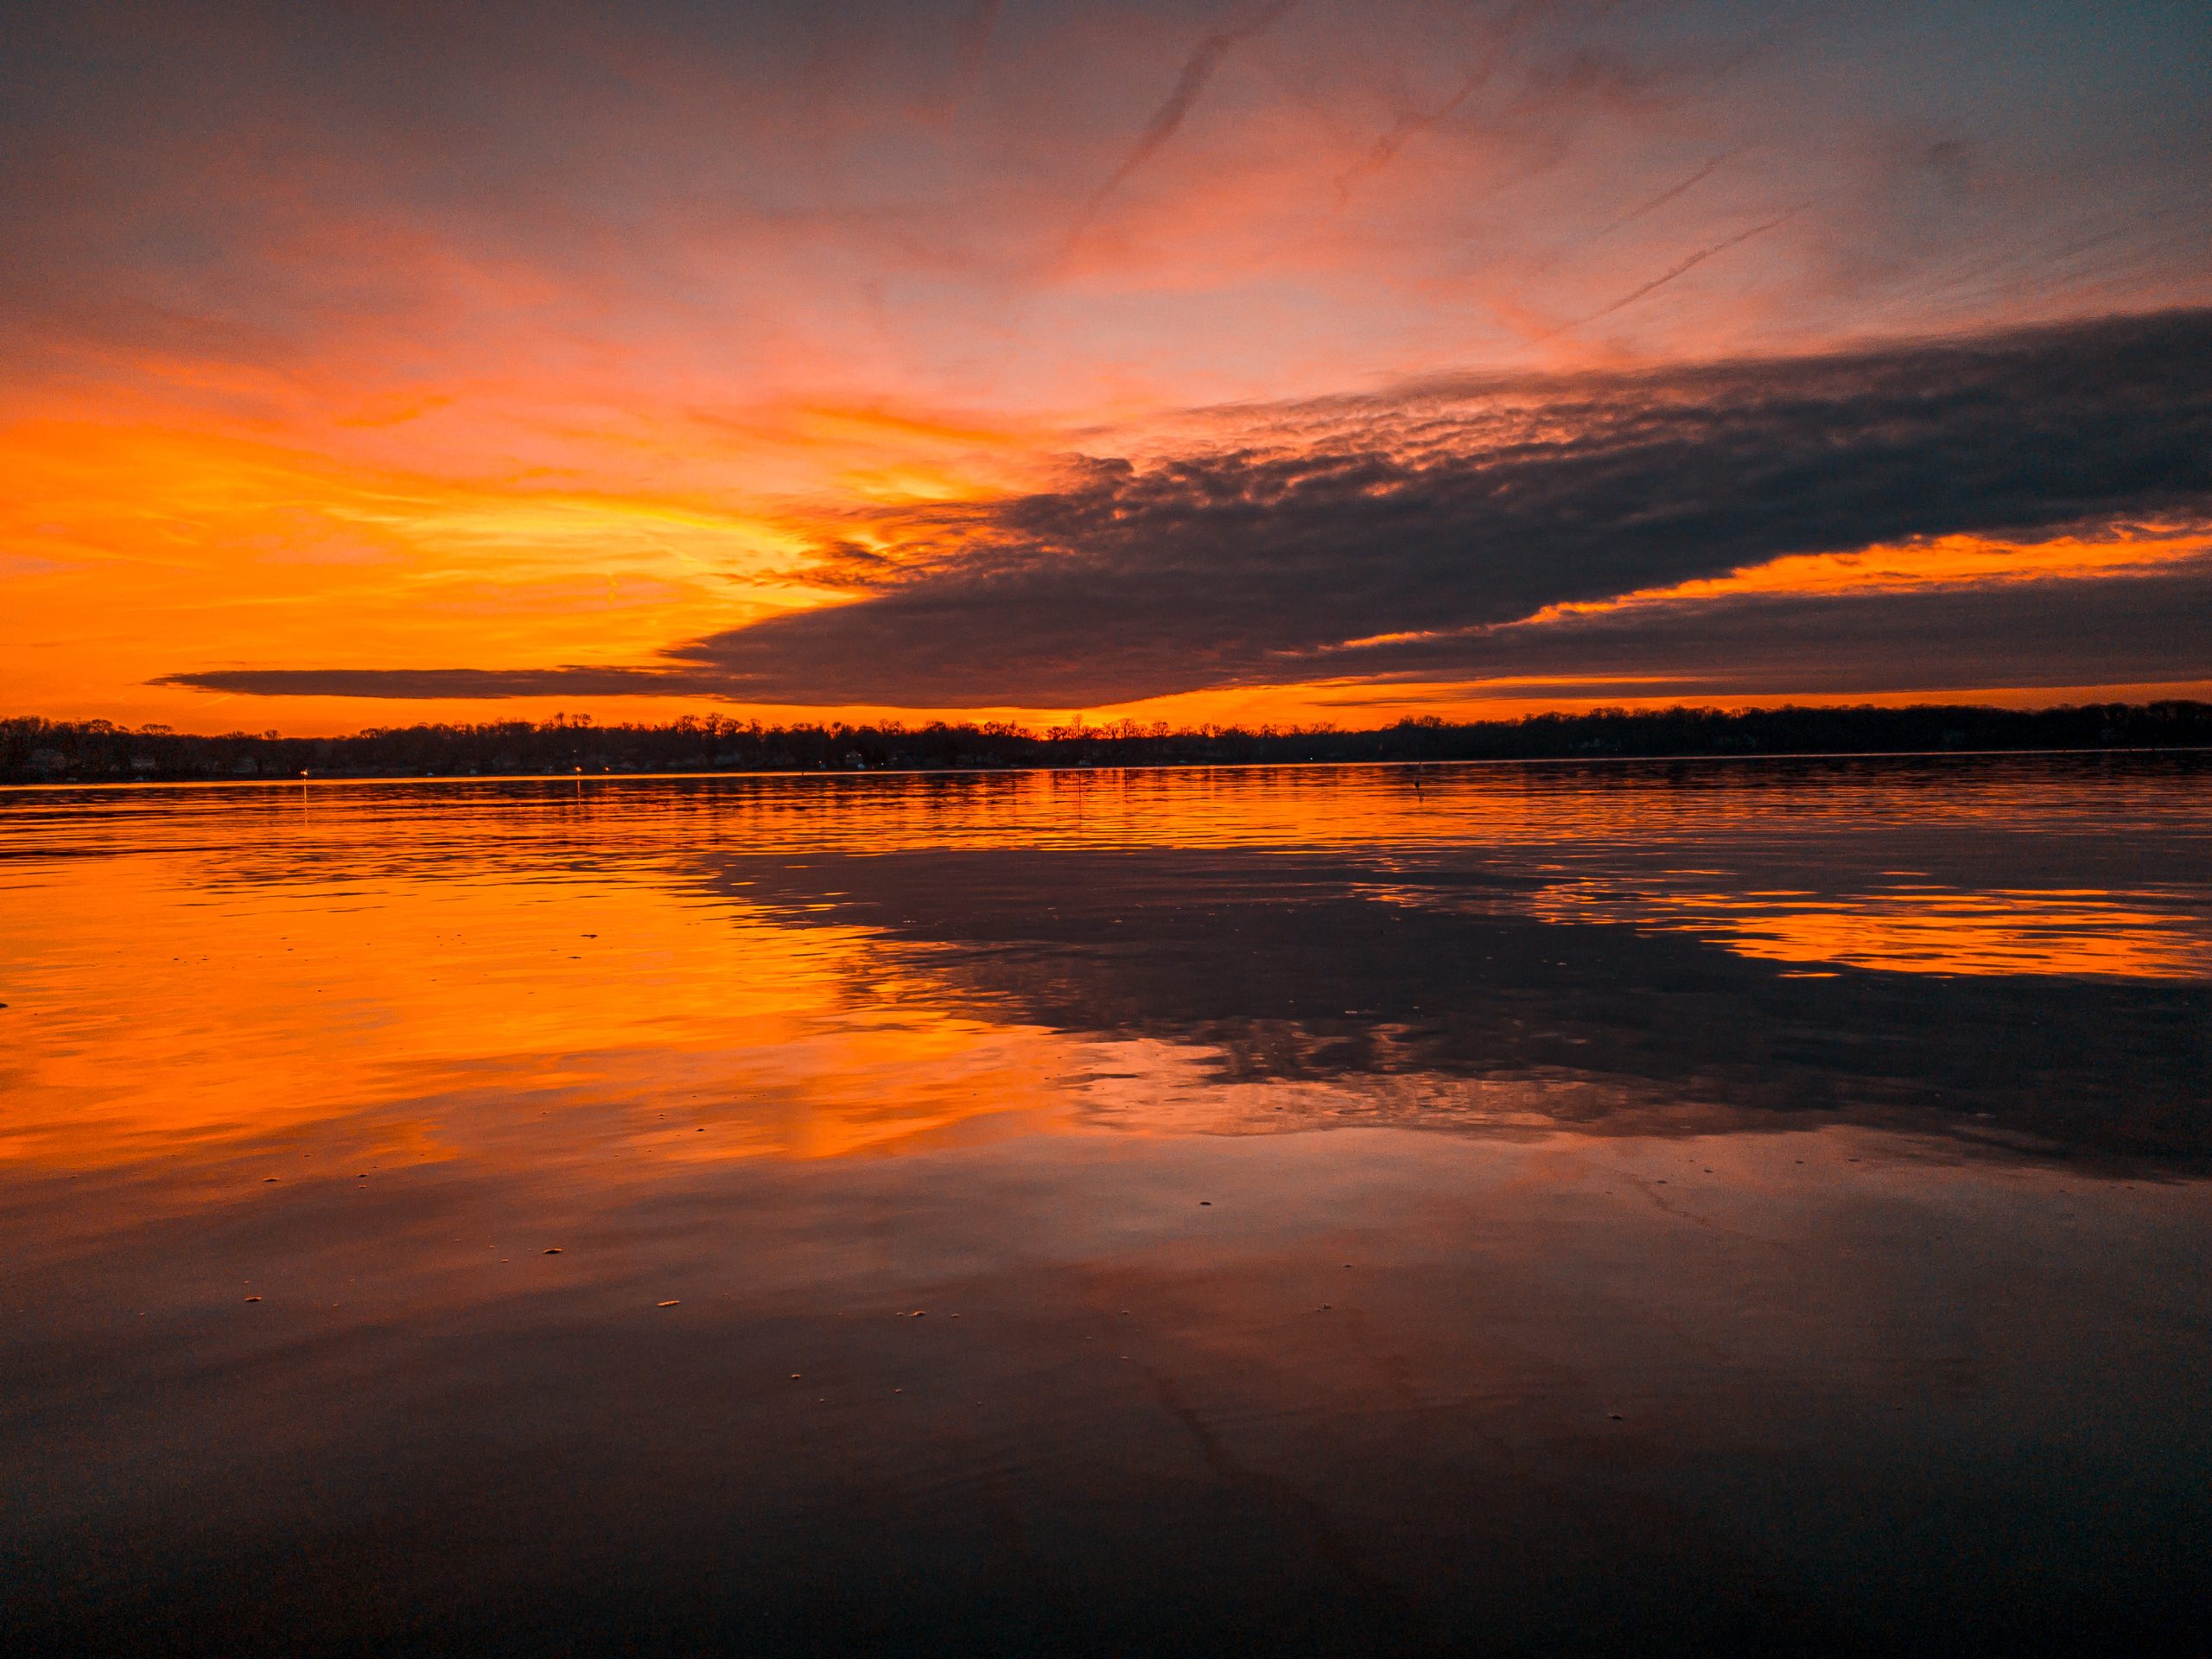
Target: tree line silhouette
(97, 751)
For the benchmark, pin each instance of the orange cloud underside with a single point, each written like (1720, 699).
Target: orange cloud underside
(1943, 561)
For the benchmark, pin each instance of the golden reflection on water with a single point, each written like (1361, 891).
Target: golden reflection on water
(1651, 805)
(156, 1010)
(2081, 933)
(434, 963)
(494, 1199)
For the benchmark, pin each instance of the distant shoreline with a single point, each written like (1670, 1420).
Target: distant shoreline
(76, 755)
(275, 780)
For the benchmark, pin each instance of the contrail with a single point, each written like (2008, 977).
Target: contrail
(1196, 71)
(1690, 264)
(1385, 149)
(1669, 194)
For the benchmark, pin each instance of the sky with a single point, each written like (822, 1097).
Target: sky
(1245, 361)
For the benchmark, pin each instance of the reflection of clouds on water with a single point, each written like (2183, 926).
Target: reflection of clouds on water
(1915, 930)
(2006, 932)
(440, 1019)
(1264, 992)
(556, 1176)
(1994, 950)
(1150, 1086)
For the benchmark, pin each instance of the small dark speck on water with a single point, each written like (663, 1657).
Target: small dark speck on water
(1205, 1203)
(253, 1298)
(556, 1250)
(1614, 1415)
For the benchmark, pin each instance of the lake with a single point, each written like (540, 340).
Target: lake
(1656, 1207)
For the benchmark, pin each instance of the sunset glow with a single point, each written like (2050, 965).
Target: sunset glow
(976, 829)
(603, 347)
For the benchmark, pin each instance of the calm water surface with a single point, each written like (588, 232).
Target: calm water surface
(1650, 1208)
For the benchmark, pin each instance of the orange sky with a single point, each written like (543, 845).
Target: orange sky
(371, 342)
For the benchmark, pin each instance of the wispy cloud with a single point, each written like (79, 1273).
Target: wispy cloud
(1679, 188)
(1198, 69)
(1409, 124)
(1645, 289)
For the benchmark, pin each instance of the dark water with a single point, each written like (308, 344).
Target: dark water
(1707, 1208)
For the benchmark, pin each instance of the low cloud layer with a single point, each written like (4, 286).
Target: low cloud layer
(1292, 546)
(2147, 629)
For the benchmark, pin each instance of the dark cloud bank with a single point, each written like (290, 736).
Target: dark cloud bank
(1451, 511)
